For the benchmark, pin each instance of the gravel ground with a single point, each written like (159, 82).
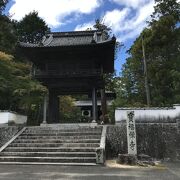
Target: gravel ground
(168, 171)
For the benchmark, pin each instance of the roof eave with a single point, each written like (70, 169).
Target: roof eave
(32, 46)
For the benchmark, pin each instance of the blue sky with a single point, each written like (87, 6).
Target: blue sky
(126, 18)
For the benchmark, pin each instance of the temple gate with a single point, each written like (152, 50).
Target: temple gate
(71, 63)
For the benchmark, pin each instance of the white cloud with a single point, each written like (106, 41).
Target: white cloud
(114, 19)
(53, 11)
(126, 26)
(126, 23)
(131, 3)
(85, 26)
(124, 36)
(127, 20)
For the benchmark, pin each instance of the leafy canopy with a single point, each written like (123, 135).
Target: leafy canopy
(31, 28)
(161, 40)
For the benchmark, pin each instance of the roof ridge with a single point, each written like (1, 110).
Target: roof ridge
(74, 33)
(63, 32)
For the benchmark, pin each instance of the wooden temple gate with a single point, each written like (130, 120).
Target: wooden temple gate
(70, 63)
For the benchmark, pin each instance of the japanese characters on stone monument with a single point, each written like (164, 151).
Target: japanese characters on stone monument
(131, 133)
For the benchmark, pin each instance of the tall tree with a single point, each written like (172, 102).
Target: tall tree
(7, 31)
(8, 38)
(3, 4)
(161, 39)
(31, 28)
(17, 89)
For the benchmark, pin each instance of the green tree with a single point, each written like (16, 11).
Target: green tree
(7, 31)
(166, 8)
(3, 4)
(161, 39)
(8, 37)
(68, 111)
(164, 52)
(99, 25)
(31, 28)
(18, 92)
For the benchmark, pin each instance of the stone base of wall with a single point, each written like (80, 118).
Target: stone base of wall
(127, 159)
(158, 140)
(7, 132)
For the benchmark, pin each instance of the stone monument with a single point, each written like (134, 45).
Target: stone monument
(131, 133)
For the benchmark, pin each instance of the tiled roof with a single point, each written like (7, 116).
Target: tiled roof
(22, 44)
(68, 39)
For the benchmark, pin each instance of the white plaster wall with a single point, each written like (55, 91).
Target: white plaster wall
(145, 113)
(10, 117)
(89, 103)
(4, 117)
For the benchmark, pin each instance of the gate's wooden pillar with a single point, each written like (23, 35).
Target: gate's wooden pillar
(53, 107)
(45, 109)
(94, 103)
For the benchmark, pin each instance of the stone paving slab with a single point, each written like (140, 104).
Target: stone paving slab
(46, 172)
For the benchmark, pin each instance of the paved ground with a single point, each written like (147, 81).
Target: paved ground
(46, 172)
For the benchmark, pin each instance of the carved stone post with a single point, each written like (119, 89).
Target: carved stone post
(131, 133)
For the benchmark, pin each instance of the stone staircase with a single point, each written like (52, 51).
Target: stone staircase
(68, 145)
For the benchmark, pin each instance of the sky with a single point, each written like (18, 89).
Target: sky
(126, 18)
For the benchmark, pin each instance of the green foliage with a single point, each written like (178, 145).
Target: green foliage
(165, 8)
(69, 112)
(8, 37)
(31, 28)
(99, 25)
(161, 40)
(3, 5)
(18, 92)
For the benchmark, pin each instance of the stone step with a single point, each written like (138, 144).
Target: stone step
(48, 159)
(54, 145)
(49, 163)
(68, 128)
(49, 154)
(59, 137)
(63, 131)
(61, 134)
(56, 141)
(49, 149)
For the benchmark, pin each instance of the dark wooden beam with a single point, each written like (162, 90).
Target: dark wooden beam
(53, 107)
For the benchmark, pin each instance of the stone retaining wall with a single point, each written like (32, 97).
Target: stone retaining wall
(158, 140)
(7, 132)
